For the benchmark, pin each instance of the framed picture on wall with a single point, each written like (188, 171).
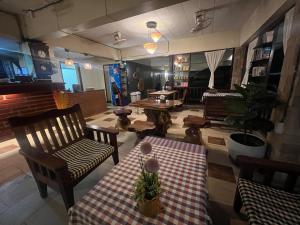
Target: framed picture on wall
(41, 60)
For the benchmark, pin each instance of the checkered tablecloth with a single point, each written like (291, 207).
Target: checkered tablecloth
(182, 174)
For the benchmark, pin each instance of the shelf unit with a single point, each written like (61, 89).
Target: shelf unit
(181, 69)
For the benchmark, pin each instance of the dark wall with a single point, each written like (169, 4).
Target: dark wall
(136, 72)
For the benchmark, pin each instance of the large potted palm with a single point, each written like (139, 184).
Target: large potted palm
(249, 113)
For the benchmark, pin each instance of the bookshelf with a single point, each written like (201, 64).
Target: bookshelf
(268, 58)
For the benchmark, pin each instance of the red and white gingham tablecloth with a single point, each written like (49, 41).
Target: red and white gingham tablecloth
(183, 173)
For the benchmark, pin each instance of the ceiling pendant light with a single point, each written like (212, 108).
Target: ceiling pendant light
(69, 61)
(155, 35)
(150, 47)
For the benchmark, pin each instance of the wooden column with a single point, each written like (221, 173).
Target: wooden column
(239, 59)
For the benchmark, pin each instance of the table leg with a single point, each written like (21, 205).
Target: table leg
(123, 122)
(161, 119)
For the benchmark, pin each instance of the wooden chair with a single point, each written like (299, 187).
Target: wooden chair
(61, 149)
(265, 204)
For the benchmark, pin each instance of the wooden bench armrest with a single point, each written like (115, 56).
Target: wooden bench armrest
(251, 163)
(102, 129)
(46, 160)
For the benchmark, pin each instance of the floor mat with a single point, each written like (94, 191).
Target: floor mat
(221, 172)
(216, 140)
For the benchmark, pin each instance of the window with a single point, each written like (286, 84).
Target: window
(71, 77)
(200, 73)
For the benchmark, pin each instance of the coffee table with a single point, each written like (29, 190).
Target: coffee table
(158, 113)
(183, 171)
(167, 94)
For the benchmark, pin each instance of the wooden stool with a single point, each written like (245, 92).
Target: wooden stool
(142, 128)
(194, 123)
(123, 120)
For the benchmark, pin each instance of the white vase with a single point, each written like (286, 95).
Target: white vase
(235, 148)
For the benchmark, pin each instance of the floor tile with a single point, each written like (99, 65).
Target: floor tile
(109, 119)
(221, 172)
(8, 148)
(221, 191)
(216, 140)
(9, 173)
(221, 214)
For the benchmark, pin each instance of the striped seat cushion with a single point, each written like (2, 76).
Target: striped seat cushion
(84, 155)
(266, 205)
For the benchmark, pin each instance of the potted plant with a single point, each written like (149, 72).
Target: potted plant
(147, 186)
(249, 112)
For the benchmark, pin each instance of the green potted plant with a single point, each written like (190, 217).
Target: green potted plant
(147, 186)
(249, 113)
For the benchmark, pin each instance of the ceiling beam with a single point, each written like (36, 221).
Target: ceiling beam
(206, 42)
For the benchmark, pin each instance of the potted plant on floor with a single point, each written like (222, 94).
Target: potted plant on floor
(248, 113)
(147, 186)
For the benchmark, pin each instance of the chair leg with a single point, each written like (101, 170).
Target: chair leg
(237, 205)
(67, 194)
(115, 156)
(42, 188)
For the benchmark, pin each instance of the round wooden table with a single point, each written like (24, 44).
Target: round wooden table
(194, 123)
(123, 120)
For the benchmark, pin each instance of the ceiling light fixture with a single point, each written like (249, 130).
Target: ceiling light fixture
(87, 66)
(153, 34)
(150, 47)
(68, 61)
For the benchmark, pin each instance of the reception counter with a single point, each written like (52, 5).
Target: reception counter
(91, 102)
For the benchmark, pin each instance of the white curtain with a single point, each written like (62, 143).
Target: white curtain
(213, 59)
(287, 27)
(250, 55)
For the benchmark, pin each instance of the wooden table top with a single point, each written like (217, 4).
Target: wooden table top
(156, 104)
(164, 92)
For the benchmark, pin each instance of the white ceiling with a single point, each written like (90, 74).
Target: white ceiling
(17, 6)
(175, 21)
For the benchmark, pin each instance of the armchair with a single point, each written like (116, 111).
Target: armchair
(264, 204)
(61, 149)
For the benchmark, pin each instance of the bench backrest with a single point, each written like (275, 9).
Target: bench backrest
(49, 131)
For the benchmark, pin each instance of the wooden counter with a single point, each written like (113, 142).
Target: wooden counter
(91, 102)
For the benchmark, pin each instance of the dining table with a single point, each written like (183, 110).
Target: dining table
(168, 94)
(158, 112)
(182, 175)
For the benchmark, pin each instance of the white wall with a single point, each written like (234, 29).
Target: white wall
(9, 27)
(93, 78)
(260, 15)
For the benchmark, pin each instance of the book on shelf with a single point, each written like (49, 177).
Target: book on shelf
(262, 53)
(258, 71)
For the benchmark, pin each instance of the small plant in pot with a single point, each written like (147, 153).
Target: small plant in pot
(249, 113)
(147, 186)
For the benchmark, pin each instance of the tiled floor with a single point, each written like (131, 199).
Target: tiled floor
(20, 196)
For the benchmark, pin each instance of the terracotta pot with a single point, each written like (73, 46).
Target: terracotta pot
(149, 208)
